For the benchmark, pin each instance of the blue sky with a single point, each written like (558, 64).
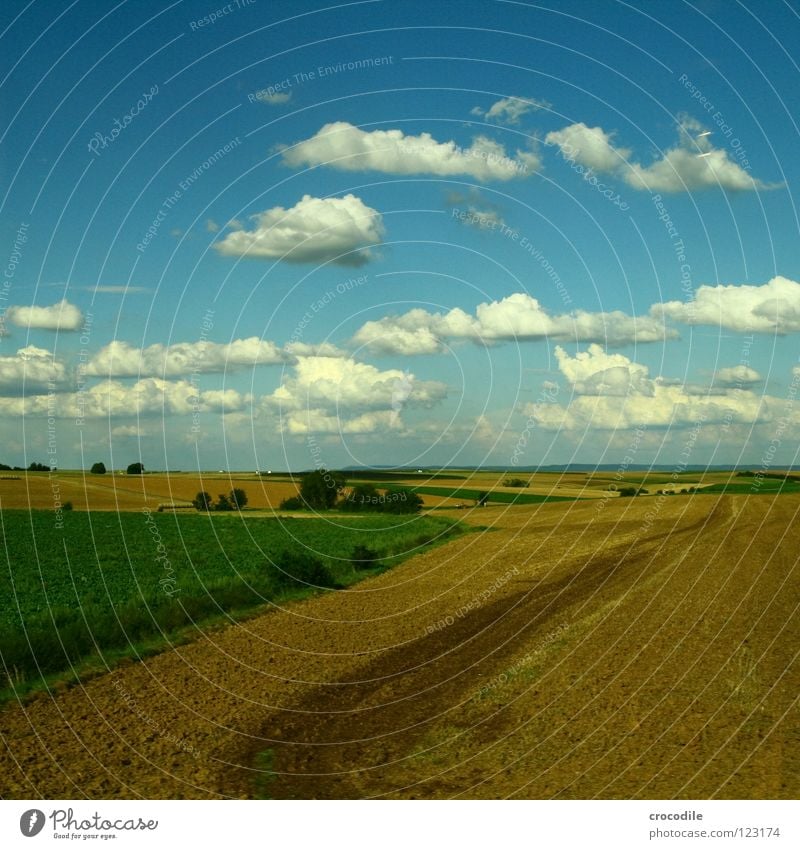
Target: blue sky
(260, 234)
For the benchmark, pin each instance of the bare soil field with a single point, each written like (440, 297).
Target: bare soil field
(595, 649)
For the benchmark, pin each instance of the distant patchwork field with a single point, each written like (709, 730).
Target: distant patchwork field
(115, 491)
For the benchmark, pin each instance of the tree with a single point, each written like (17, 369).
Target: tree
(223, 504)
(362, 498)
(320, 489)
(98, 469)
(293, 503)
(202, 501)
(517, 482)
(400, 501)
(38, 467)
(238, 498)
(136, 469)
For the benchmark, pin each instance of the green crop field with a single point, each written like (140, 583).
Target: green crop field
(765, 486)
(106, 585)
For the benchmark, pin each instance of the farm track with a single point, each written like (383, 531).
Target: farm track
(607, 655)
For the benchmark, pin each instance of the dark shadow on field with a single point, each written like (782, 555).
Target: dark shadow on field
(337, 741)
(340, 740)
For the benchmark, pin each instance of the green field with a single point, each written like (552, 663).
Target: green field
(491, 495)
(766, 486)
(108, 585)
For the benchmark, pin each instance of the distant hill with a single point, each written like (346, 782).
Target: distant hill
(555, 469)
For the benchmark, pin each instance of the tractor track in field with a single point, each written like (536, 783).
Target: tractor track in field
(379, 690)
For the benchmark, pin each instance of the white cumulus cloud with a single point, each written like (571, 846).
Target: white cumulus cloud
(613, 392)
(595, 372)
(694, 163)
(31, 369)
(773, 307)
(340, 230)
(120, 359)
(60, 316)
(519, 317)
(589, 146)
(346, 147)
(334, 394)
(149, 396)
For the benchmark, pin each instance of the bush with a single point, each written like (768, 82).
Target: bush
(363, 557)
(135, 469)
(98, 469)
(202, 501)
(238, 498)
(295, 571)
(293, 503)
(67, 505)
(518, 482)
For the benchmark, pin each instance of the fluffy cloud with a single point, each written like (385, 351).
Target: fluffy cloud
(613, 392)
(320, 349)
(771, 308)
(60, 316)
(694, 163)
(683, 170)
(519, 317)
(150, 396)
(589, 146)
(407, 335)
(509, 110)
(119, 359)
(331, 394)
(339, 230)
(31, 369)
(737, 376)
(594, 372)
(300, 422)
(348, 148)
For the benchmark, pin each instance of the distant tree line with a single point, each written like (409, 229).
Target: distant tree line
(778, 476)
(34, 467)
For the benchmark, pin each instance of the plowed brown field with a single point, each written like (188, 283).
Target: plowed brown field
(634, 649)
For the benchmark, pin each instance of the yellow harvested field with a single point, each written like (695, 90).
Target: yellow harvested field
(40, 490)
